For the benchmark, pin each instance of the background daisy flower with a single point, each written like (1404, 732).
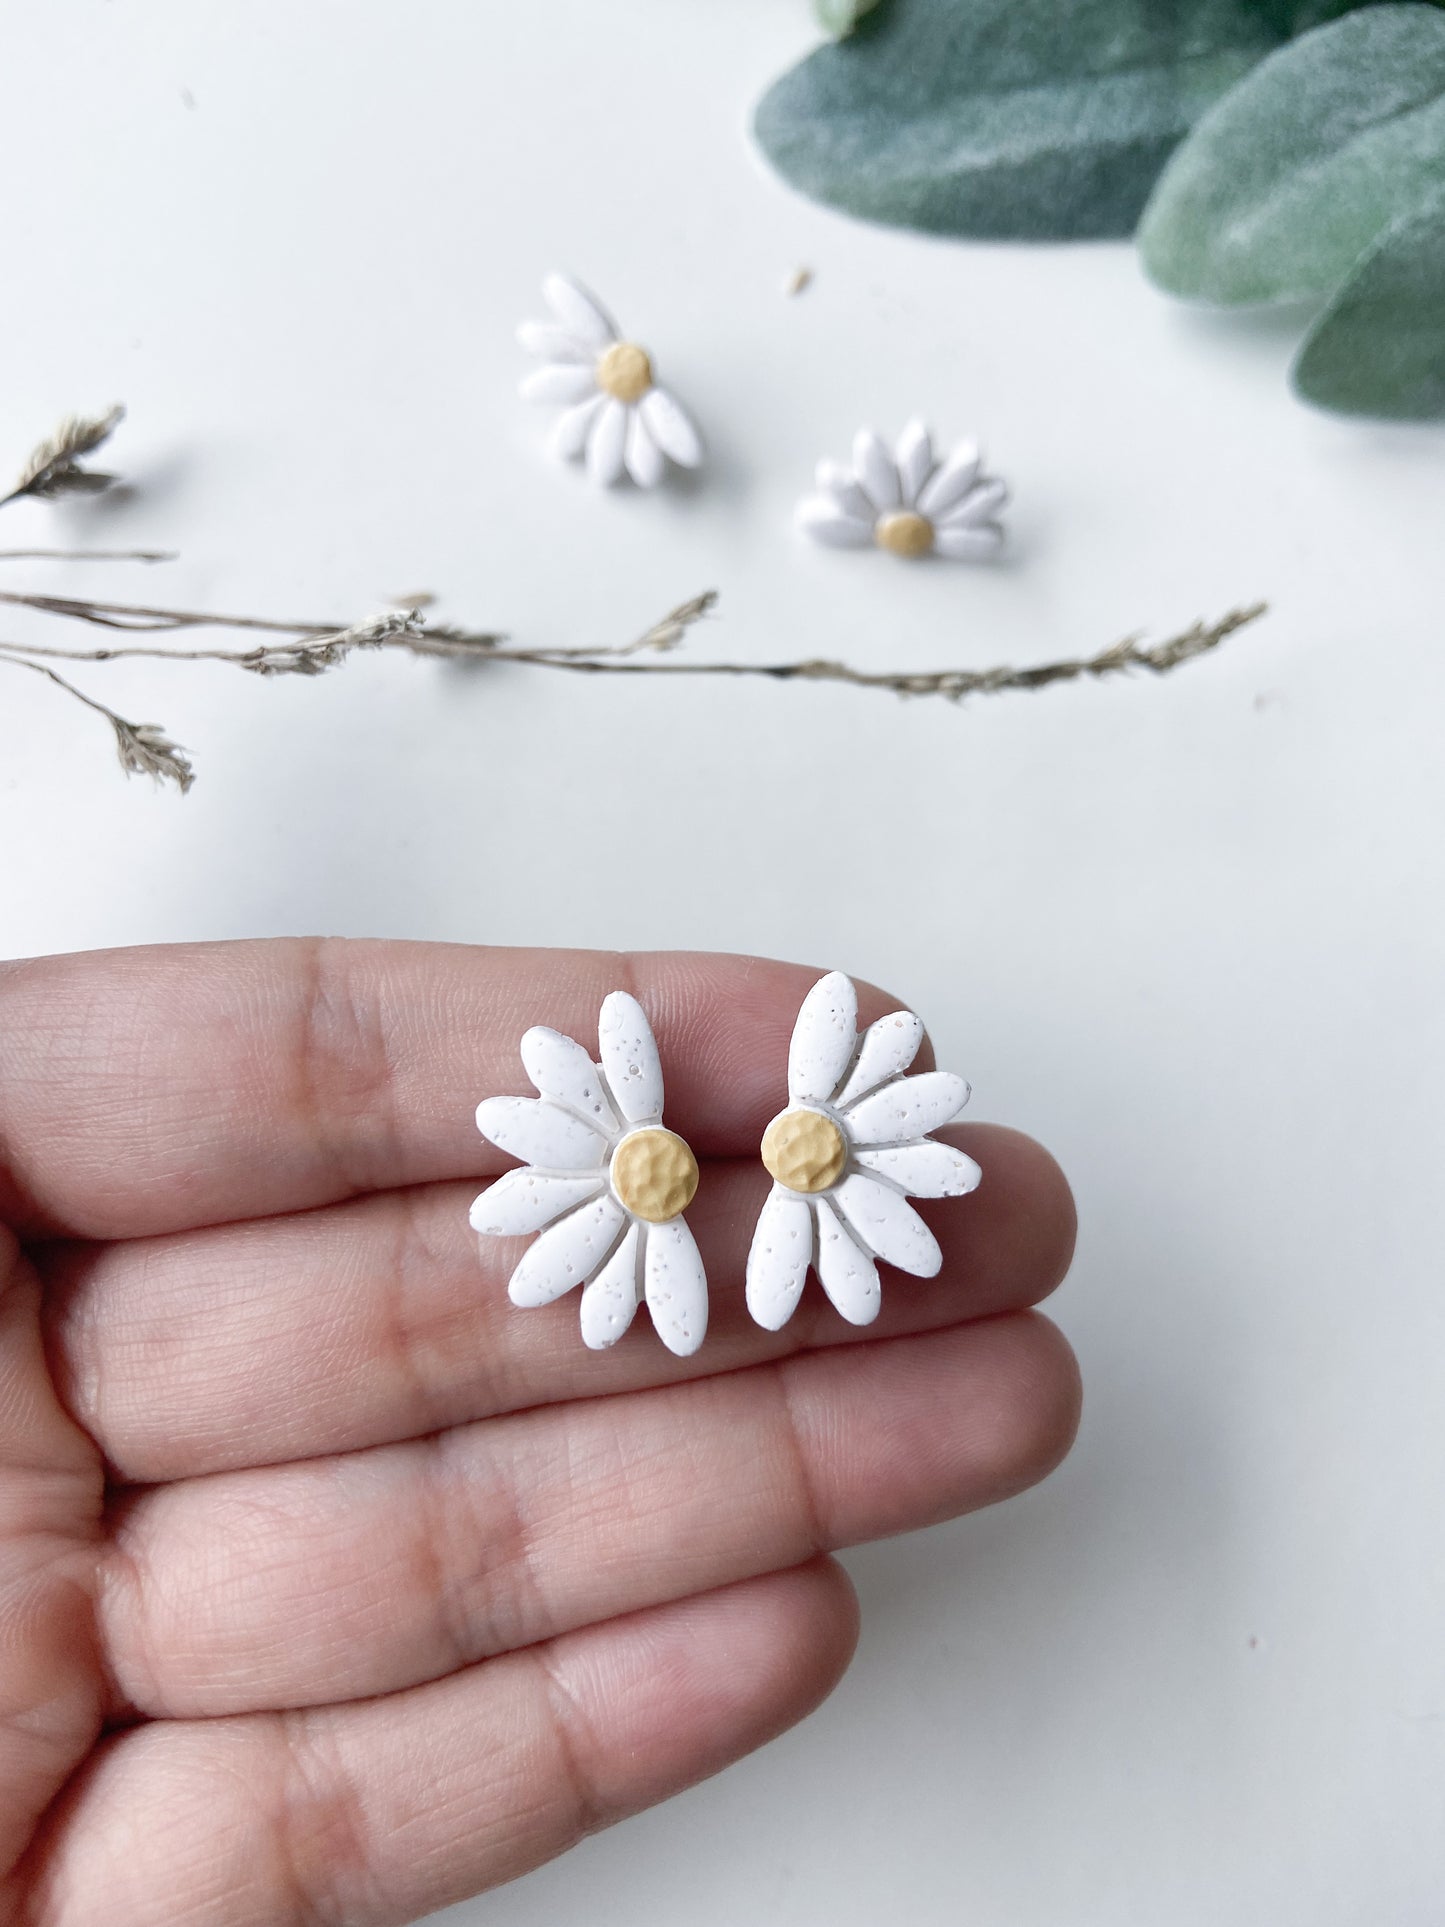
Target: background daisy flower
(905, 501)
(616, 414)
(845, 1157)
(602, 1180)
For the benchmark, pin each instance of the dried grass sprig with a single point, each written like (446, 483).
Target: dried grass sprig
(144, 749)
(54, 466)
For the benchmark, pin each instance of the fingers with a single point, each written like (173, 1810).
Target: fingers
(338, 1578)
(377, 1813)
(386, 1317)
(144, 1091)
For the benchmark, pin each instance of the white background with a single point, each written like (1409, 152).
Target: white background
(1188, 931)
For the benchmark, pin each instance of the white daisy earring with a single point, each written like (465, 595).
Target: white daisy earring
(604, 1182)
(846, 1155)
(616, 414)
(905, 501)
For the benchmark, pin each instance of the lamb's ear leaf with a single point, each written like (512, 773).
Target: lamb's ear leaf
(1379, 347)
(1286, 181)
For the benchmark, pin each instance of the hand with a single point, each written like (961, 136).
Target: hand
(331, 1586)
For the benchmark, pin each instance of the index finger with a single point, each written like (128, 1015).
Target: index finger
(153, 1090)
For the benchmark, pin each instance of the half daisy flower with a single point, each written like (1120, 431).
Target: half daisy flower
(905, 501)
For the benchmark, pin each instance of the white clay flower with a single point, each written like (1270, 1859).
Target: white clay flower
(602, 1180)
(906, 502)
(845, 1157)
(616, 415)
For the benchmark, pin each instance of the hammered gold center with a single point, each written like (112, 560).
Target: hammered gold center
(905, 533)
(625, 371)
(654, 1175)
(805, 1150)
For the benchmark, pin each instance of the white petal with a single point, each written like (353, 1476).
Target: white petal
(952, 479)
(824, 1039)
(550, 343)
(914, 456)
(822, 520)
(848, 1275)
(521, 1202)
(644, 458)
(562, 1069)
(568, 1254)
(925, 1170)
(840, 485)
(629, 1057)
(778, 1261)
(888, 1047)
(672, 427)
(579, 312)
(539, 1133)
(980, 504)
(676, 1286)
(610, 1302)
(607, 443)
(968, 545)
(565, 381)
(874, 466)
(885, 1223)
(907, 1109)
(569, 437)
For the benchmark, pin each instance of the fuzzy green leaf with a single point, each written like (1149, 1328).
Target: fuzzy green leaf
(1013, 118)
(1281, 187)
(840, 17)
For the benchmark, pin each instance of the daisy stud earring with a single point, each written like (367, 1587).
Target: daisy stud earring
(907, 502)
(846, 1155)
(604, 1182)
(617, 415)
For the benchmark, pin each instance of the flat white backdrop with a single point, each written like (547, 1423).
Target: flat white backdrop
(1188, 931)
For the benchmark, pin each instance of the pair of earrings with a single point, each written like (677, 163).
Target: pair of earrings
(620, 421)
(606, 1183)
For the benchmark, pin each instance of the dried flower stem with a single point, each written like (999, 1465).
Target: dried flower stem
(144, 749)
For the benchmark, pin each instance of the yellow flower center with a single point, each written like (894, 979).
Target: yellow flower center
(624, 371)
(654, 1174)
(805, 1150)
(904, 532)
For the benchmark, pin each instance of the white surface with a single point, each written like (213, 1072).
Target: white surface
(1189, 931)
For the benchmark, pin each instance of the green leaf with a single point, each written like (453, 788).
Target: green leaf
(1379, 347)
(1039, 119)
(840, 17)
(1282, 186)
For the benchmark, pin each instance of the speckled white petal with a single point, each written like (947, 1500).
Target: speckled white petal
(521, 1202)
(951, 480)
(874, 467)
(644, 458)
(907, 1109)
(778, 1261)
(980, 504)
(568, 1254)
(847, 1274)
(610, 1302)
(569, 437)
(672, 427)
(885, 1223)
(550, 343)
(888, 1047)
(914, 457)
(968, 545)
(840, 485)
(629, 1057)
(562, 1069)
(676, 1286)
(579, 312)
(824, 1038)
(559, 381)
(926, 1170)
(822, 520)
(607, 443)
(539, 1133)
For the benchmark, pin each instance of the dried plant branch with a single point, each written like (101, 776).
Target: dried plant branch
(144, 749)
(54, 467)
(87, 555)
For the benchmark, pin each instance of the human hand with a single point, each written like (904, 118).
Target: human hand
(333, 1588)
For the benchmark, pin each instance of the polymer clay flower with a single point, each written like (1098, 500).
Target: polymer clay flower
(905, 501)
(846, 1155)
(616, 415)
(602, 1180)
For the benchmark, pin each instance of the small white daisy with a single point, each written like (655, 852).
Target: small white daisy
(849, 1151)
(906, 502)
(602, 1180)
(617, 416)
